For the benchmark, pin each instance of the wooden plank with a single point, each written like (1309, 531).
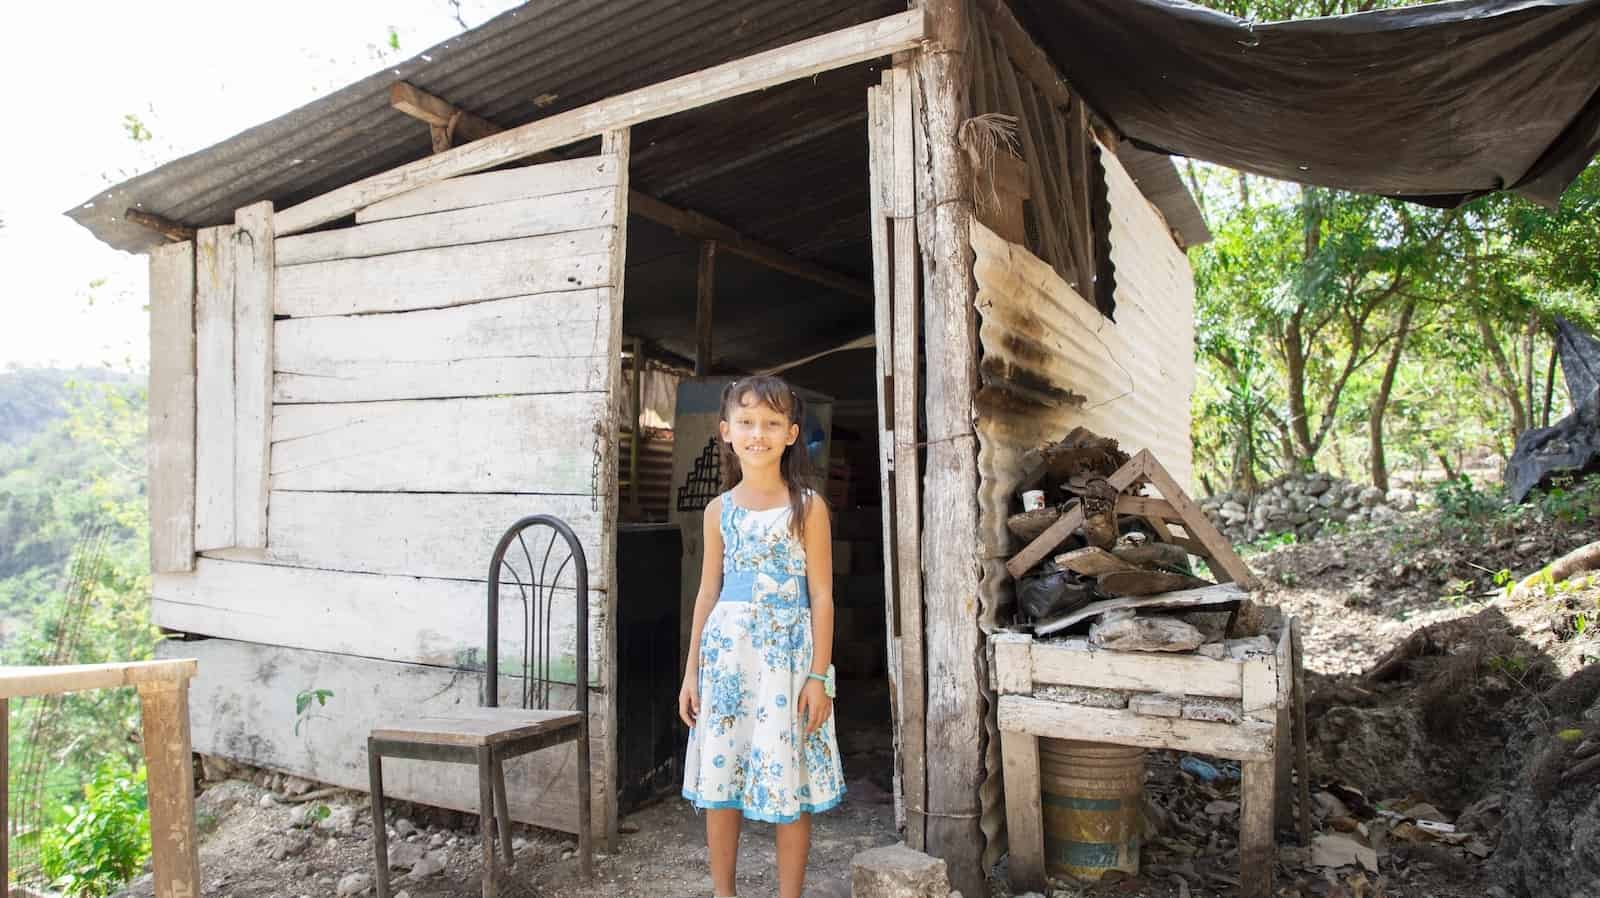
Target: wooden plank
(175, 847)
(172, 407)
(906, 329)
(166, 227)
(1257, 845)
(880, 143)
(1184, 598)
(417, 620)
(1058, 532)
(215, 431)
(538, 216)
(1024, 53)
(1076, 665)
(523, 444)
(448, 276)
(1092, 561)
(243, 709)
(1260, 688)
(1147, 583)
(1146, 507)
(1301, 758)
(802, 59)
(1013, 663)
(704, 307)
(1283, 663)
(1196, 522)
(1249, 741)
(411, 534)
(545, 343)
(547, 179)
(26, 682)
(1019, 754)
(618, 144)
(252, 371)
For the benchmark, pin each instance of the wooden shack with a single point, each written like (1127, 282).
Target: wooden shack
(386, 325)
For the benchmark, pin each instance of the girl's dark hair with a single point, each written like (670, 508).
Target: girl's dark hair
(795, 466)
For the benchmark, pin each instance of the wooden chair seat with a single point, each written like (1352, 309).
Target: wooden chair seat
(473, 727)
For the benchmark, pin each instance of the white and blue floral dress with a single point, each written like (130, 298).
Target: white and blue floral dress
(748, 749)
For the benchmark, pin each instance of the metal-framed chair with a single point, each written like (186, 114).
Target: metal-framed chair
(533, 563)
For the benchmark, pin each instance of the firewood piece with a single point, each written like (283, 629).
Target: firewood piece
(1029, 524)
(1219, 595)
(1093, 561)
(1145, 583)
(1153, 555)
(1058, 532)
(1583, 558)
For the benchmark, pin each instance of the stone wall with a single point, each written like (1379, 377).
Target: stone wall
(1303, 504)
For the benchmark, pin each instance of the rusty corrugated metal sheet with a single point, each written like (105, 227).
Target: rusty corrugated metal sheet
(1051, 362)
(545, 57)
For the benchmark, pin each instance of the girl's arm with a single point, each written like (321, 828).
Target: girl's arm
(815, 706)
(704, 600)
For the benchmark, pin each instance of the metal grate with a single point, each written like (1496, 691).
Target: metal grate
(704, 482)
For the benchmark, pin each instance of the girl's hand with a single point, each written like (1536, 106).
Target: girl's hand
(689, 699)
(814, 706)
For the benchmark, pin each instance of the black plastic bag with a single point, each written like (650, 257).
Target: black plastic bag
(1048, 591)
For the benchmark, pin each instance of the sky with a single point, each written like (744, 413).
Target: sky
(193, 73)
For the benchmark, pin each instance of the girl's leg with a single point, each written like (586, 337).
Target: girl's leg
(722, 843)
(794, 843)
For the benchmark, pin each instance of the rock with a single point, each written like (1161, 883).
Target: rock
(300, 815)
(1383, 514)
(354, 884)
(1330, 805)
(437, 840)
(896, 871)
(1211, 709)
(1156, 704)
(1213, 650)
(1233, 509)
(267, 800)
(1084, 695)
(1328, 500)
(1221, 807)
(292, 844)
(402, 894)
(1422, 810)
(1340, 850)
(1319, 486)
(431, 865)
(405, 855)
(1131, 633)
(1401, 499)
(294, 785)
(627, 827)
(342, 821)
(404, 827)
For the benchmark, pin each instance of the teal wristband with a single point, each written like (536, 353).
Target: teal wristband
(827, 681)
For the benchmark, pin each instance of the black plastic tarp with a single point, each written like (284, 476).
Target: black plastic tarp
(1435, 103)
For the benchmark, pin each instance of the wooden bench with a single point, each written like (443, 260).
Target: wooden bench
(1025, 669)
(164, 713)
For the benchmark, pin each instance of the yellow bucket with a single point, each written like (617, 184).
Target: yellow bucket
(1092, 795)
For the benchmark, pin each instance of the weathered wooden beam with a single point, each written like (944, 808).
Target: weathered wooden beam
(25, 682)
(1025, 54)
(705, 298)
(162, 225)
(837, 49)
(435, 111)
(463, 125)
(694, 224)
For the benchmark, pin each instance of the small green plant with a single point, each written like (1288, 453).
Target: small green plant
(1457, 498)
(100, 844)
(303, 702)
(1458, 592)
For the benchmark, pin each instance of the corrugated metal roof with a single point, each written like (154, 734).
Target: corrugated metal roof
(1157, 177)
(545, 57)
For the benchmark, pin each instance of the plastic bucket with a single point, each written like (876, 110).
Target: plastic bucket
(1092, 797)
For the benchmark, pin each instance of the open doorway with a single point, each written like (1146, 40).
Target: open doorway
(749, 251)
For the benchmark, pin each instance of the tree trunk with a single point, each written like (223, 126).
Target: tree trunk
(1380, 465)
(1299, 420)
(1508, 385)
(1549, 384)
(1527, 366)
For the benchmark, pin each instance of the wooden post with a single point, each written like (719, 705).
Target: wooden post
(618, 143)
(952, 563)
(164, 713)
(706, 293)
(1302, 761)
(172, 408)
(1019, 752)
(1258, 791)
(5, 798)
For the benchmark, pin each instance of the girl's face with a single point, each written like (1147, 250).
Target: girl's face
(758, 432)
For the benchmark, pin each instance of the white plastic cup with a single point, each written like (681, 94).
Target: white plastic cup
(1033, 500)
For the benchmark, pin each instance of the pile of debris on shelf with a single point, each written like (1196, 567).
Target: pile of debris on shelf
(1102, 553)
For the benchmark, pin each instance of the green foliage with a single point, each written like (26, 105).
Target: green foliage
(135, 128)
(1459, 499)
(303, 702)
(394, 38)
(102, 842)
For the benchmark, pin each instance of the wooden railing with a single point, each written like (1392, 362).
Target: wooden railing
(164, 711)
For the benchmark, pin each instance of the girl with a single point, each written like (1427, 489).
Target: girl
(758, 687)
